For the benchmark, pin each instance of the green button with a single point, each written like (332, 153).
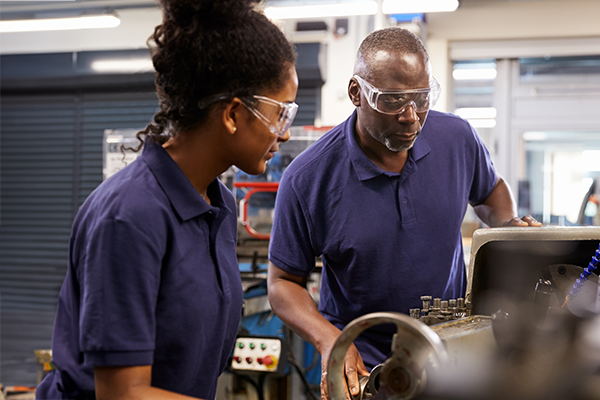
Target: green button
(251, 345)
(263, 346)
(240, 345)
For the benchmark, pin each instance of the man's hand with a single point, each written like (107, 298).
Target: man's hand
(527, 220)
(292, 303)
(354, 368)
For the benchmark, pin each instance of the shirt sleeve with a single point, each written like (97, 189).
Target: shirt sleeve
(484, 172)
(291, 247)
(119, 274)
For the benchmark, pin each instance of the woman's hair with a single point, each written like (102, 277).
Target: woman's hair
(209, 47)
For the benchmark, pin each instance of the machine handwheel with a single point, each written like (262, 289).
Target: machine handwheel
(415, 349)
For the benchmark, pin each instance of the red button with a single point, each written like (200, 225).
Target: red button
(249, 360)
(268, 360)
(259, 360)
(237, 359)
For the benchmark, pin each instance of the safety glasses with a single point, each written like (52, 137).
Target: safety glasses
(397, 101)
(277, 116)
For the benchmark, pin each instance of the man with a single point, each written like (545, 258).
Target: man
(381, 198)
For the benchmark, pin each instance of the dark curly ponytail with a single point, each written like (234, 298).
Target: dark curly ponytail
(205, 47)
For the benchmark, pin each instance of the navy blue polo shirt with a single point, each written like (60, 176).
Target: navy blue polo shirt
(385, 238)
(153, 279)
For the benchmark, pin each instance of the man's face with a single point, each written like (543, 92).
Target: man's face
(392, 71)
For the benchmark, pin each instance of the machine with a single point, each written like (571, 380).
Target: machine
(287, 367)
(529, 327)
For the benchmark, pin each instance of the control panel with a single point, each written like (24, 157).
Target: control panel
(260, 354)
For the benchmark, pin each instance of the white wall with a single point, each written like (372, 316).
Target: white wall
(475, 20)
(505, 20)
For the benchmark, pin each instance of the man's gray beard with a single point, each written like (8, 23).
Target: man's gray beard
(397, 149)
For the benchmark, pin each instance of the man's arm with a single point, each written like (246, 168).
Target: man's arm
(292, 303)
(499, 209)
(130, 383)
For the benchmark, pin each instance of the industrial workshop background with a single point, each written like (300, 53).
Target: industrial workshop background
(532, 93)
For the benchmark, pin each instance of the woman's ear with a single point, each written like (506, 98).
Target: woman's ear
(354, 92)
(231, 115)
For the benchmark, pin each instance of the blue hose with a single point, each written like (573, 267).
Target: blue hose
(585, 275)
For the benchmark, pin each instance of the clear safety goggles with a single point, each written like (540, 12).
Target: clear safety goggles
(397, 101)
(277, 116)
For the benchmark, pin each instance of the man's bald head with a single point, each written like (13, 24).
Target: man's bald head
(385, 40)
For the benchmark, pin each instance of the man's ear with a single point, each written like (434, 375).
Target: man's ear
(230, 115)
(354, 92)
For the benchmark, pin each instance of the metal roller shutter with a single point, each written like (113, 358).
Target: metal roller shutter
(50, 160)
(37, 165)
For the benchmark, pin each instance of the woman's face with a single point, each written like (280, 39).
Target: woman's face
(259, 144)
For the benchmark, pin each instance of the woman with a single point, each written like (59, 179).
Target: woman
(151, 303)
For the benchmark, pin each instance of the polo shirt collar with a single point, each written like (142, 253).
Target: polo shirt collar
(184, 198)
(364, 167)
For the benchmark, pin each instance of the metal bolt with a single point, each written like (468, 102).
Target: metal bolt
(444, 305)
(562, 270)
(426, 302)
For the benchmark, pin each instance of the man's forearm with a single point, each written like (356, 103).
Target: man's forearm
(499, 207)
(292, 303)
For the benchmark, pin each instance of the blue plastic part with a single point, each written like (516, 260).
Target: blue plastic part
(263, 324)
(313, 375)
(593, 265)
(247, 267)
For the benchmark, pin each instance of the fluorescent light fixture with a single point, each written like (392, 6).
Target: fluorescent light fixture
(60, 24)
(476, 112)
(418, 6)
(322, 10)
(123, 66)
(482, 123)
(474, 74)
(535, 136)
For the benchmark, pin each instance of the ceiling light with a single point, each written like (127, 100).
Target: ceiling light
(60, 24)
(535, 136)
(474, 74)
(123, 66)
(482, 123)
(476, 112)
(420, 6)
(322, 10)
